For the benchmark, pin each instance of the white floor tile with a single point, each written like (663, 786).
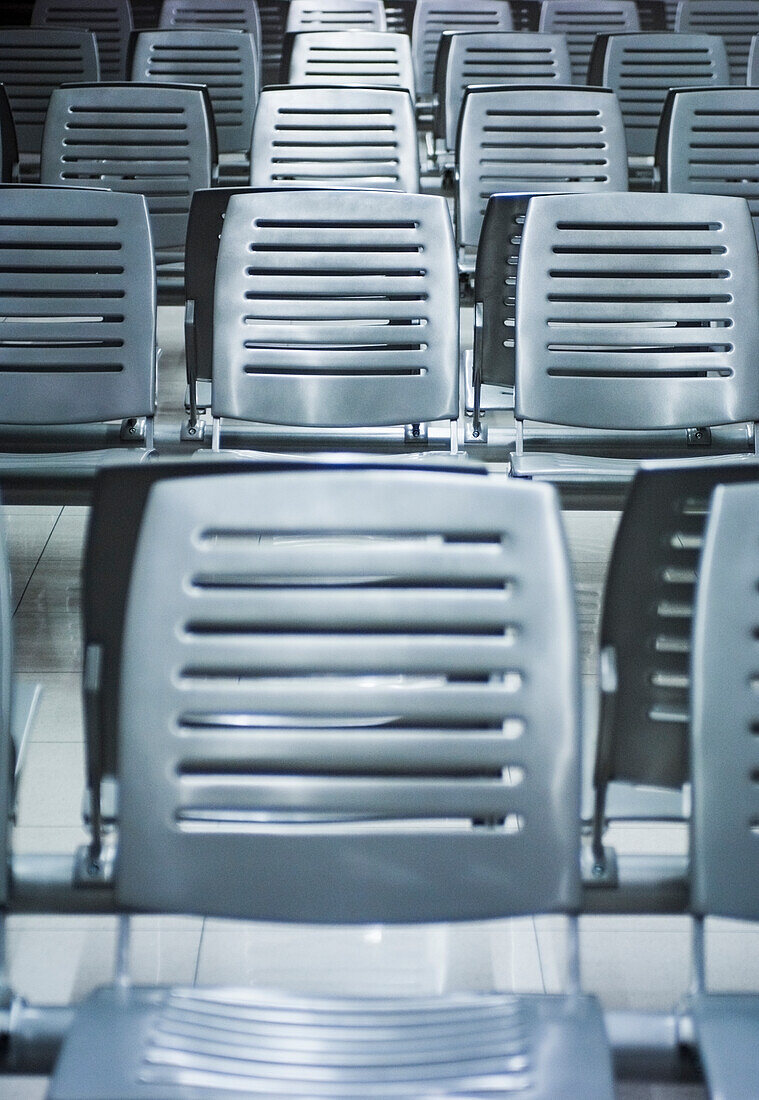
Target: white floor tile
(51, 785)
(59, 714)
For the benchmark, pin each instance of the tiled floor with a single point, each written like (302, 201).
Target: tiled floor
(629, 962)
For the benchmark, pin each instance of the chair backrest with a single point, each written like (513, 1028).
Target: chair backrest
(305, 692)
(332, 136)
(377, 58)
(641, 69)
(109, 20)
(736, 22)
(319, 15)
(432, 17)
(145, 13)
(724, 742)
(752, 74)
(33, 61)
(273, 17)
(492, 57)
(638, 311)
(582, 20)
(8, 145)
(708, 144)
(229, 15)
(535, 139)
(647, 619)
(154, 139)
(336, 309)
(653, 15)
(77, 294)
(225, 61)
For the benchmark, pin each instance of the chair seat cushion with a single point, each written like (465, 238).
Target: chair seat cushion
(197, 1043)
(727, 1031)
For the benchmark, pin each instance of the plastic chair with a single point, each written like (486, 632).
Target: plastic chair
(465, 58)
(736, 23)
(433, 17)
(226, 62)
(332, 136)
(534, 139)
(581, 21)
(316, 15)
(708, 145)
(78, 263)
(229, 15)
(154, 139)
(642, 68)
(724, 767)
(339, 321)
(310, 784)
(376, 58)
(645, 650)
(145, 13)
(109, 20)
(622, 326)
(33, 61)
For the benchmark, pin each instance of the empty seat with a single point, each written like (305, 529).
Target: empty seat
(623, 306)
(226, 62)
(351, 137)
(315, 15)
(736, 21)
(582, 20)
(535, 139)
(109, 20)
(347, 316)
(709, 144)
(645, 641)
(314, 761)
(33, 61)
(492, 57)
(77, 300)
(642, 68)
(155, 139)
(432, 17)
(229, 15)
(724, 771)
(377, 58)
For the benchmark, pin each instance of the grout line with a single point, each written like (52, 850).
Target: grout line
(39, 559)
(200, 947)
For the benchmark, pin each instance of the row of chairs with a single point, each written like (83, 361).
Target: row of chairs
(633, 317)
(376, 717)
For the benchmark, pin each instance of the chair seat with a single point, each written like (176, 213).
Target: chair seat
(727, 1031)
(590, 469)
(197, 1043)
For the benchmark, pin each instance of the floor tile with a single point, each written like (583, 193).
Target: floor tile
(59, 714)
(51, 785)
(47, 642)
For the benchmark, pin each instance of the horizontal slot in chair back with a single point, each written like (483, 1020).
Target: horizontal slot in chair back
(336, 309)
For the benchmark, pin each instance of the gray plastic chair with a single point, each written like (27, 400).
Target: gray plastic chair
(465, 58)
(270, 753)
(333, 136)
(225, 61)
(229, 15)
(724, 868)
(33, 61)
(534, 139)
(433, 17)
(736, 22)
(642, 68)
(109, 20)
(345, 317)
(634, 313)
(376, 58)
(581, 21)
(154, 139)
(145, 13)
(79, 264)
(338, 15)
(708, 144)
